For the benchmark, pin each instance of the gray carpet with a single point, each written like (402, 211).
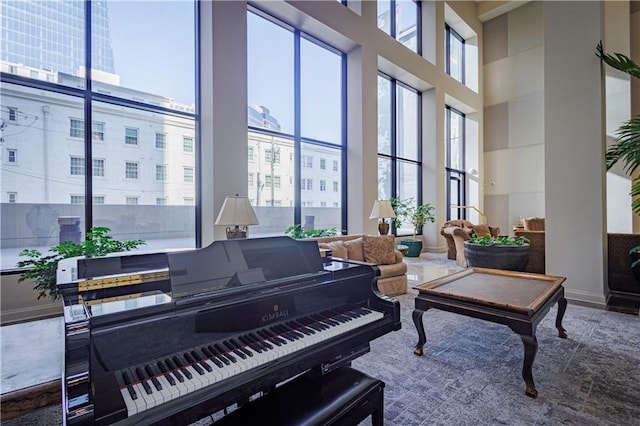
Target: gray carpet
(470, 373)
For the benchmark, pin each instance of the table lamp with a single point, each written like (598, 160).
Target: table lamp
(236, 212)
(381, 210)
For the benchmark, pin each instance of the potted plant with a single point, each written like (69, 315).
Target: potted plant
(408, 211)
(296, 232)
(43, 267)
(501, 252)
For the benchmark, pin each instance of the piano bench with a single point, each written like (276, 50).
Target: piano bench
(343, 397)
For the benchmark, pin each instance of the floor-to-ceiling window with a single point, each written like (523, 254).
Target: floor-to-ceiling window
(401, 19)
(455, 167)
(96, 107)
(296, 119)
(399, 147)
(454, 53)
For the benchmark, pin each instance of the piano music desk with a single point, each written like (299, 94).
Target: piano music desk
(517, 300)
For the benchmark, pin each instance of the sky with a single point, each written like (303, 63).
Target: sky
(153, 46)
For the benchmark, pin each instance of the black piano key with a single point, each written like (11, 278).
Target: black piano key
(198, 368)
(178, 375)
(190, 359)
(152, 375)
(207, 352)
(126, 377)
(251, 343)
(260, 342)
(140, 374)
(146, 386)
(222, 352)
(241, 347)
(127, 381)
(174, 370)
(170, 379)
(162, 366)
(206, 366)
(132, 392)
(177, 361)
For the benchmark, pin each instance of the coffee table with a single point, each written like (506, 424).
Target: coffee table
(516, 299)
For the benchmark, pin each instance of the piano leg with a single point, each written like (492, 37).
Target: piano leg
(422, 338)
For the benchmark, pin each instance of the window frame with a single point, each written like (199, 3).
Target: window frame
(459, 175)
(449, 34)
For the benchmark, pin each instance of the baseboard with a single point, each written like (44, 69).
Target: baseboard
(595, 299)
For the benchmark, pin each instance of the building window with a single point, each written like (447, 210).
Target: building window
(98, 167)
(77, 199)
(250, 153)
(307, 161)
(307, 184)
(161, 201)
(77, 166)
(13, 69)
(132, 201)
(276, 181)
(130, 136)
(98, 131)
(12, 113)
(335, 186)
(76, 128)
(12, 197)
(399, 147)
(455, 55)
(250, 179)
(161, 172)
(401, 19)
(98, 199)
(12, 156)
(188, 174)
(323, 185)
(187, 144)
(267, 181)
(272, 155)
(161, 141)
(323, 164)
(455, 164)
(188, 201)
(335, 165)
(323, 204)
(131, 170)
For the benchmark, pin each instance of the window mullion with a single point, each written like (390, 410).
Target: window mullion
(88, 122)
(297, 122)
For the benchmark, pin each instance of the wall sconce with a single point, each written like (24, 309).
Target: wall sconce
(381, 210)
(236, 211)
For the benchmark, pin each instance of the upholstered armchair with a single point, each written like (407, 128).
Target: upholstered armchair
(456, 232)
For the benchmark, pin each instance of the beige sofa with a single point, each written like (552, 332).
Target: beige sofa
(377, 250)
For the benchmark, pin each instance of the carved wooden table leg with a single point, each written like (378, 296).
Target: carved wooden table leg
(417, 320)
(530, 349)
(562, 307)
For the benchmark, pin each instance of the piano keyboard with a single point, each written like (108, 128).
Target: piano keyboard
(146, 386)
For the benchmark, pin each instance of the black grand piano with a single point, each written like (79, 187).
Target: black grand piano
(169, 338)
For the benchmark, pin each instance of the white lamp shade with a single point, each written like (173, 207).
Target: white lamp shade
(382, 209)
(236, 210)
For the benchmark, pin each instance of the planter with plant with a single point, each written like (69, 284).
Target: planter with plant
(626, 150)
(296, 232)
(408, 211)
(501, 252)
(42, 268)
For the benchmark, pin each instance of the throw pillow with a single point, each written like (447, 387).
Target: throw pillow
(481, 230)
(379, 250)
(354, 249)
(337, 248)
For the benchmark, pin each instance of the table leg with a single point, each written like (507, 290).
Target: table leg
(562, 307)
(422, 338)
(530, 349)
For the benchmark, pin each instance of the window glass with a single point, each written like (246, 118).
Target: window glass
(314, 194)
(321, 92)
(270, 74)
(384, 16)
(407, 23)
(384, 115)
(454, 54)
(128, 52)
(407, 123)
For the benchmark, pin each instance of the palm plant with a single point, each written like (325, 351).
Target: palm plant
(626, 147)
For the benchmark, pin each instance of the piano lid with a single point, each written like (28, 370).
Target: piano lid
(229, 264)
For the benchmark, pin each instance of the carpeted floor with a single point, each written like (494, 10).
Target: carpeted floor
(470, 373)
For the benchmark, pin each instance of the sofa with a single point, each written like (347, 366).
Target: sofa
(456, 232)
(376, 250)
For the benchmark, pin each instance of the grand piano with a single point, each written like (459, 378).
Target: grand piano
(169, 338)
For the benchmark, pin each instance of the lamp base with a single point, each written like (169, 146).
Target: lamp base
(236, 232)
(383, 228)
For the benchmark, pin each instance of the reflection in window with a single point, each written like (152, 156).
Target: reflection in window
(399, 142)
(401, 19)
(455, 165)
(455, 56)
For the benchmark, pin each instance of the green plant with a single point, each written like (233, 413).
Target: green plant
(502, 240)
(296, 232)
(42, 268)
(407, 211)
(626, 147)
